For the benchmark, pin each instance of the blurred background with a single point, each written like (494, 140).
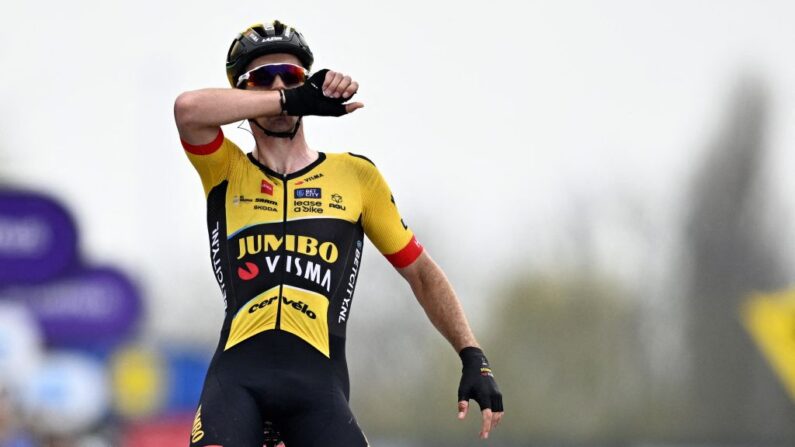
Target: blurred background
(605, 183)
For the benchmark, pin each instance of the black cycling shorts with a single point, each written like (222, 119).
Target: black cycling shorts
(279, 378)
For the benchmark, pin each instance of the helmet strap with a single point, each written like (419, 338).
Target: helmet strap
(288, 134)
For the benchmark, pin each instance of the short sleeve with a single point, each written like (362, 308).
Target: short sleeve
(213, 160)
(381, 220)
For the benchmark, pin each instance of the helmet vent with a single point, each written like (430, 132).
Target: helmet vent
(259, 29)
(234, 51)
(270, 30)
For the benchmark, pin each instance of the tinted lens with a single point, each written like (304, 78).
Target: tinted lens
(264, 76)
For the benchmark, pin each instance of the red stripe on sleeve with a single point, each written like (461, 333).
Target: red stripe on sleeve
(406, 255)
(205, 149)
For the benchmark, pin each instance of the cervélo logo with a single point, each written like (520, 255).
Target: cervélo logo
(307, 193)
(300, 306)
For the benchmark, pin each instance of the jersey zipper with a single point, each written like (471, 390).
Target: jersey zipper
(283, 254)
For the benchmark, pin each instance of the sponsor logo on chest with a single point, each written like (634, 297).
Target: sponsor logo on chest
(307, 193)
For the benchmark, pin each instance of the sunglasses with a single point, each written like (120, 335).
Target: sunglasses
(264, 76)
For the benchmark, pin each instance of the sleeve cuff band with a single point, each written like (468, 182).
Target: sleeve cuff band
(205, 149)
(406, 255)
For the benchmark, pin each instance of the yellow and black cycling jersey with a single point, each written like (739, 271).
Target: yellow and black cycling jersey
(286, 249)
(286, 252)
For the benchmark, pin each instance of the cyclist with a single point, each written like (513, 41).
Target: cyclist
(286, 226)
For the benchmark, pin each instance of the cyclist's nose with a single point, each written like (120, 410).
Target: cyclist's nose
(277, 83)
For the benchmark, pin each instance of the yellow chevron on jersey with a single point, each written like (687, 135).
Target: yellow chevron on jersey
(257, 315)
(305, 314)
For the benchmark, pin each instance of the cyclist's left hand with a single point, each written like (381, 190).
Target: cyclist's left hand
(477, 382)
(338, 85)
(315, 96)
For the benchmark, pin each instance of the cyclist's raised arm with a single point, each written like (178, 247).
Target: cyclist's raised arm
(200, 113)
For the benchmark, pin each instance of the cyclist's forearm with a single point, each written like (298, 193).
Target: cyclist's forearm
(437, 297)
(214, 107)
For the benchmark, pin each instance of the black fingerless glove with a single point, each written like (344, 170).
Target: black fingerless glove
(308, 99)
(477, 380)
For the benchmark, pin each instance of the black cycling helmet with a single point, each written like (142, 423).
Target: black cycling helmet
(260, 39)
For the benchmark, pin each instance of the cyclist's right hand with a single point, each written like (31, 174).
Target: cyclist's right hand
(323, 94)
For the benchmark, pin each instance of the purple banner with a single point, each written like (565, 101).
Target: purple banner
(96, 307)
(38, 239)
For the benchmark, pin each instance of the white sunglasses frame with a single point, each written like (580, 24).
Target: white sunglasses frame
(244, 77)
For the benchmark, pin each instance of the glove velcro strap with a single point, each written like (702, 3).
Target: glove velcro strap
(472, 357)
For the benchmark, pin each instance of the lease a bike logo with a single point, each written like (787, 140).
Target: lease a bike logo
(307, 193)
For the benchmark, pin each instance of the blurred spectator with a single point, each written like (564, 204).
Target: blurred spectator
(12, 433)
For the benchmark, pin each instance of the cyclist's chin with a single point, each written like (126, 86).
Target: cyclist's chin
(279, 123)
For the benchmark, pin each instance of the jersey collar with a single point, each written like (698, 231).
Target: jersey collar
(321, 156)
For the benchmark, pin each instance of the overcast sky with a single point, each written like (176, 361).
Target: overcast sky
(494, 122)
